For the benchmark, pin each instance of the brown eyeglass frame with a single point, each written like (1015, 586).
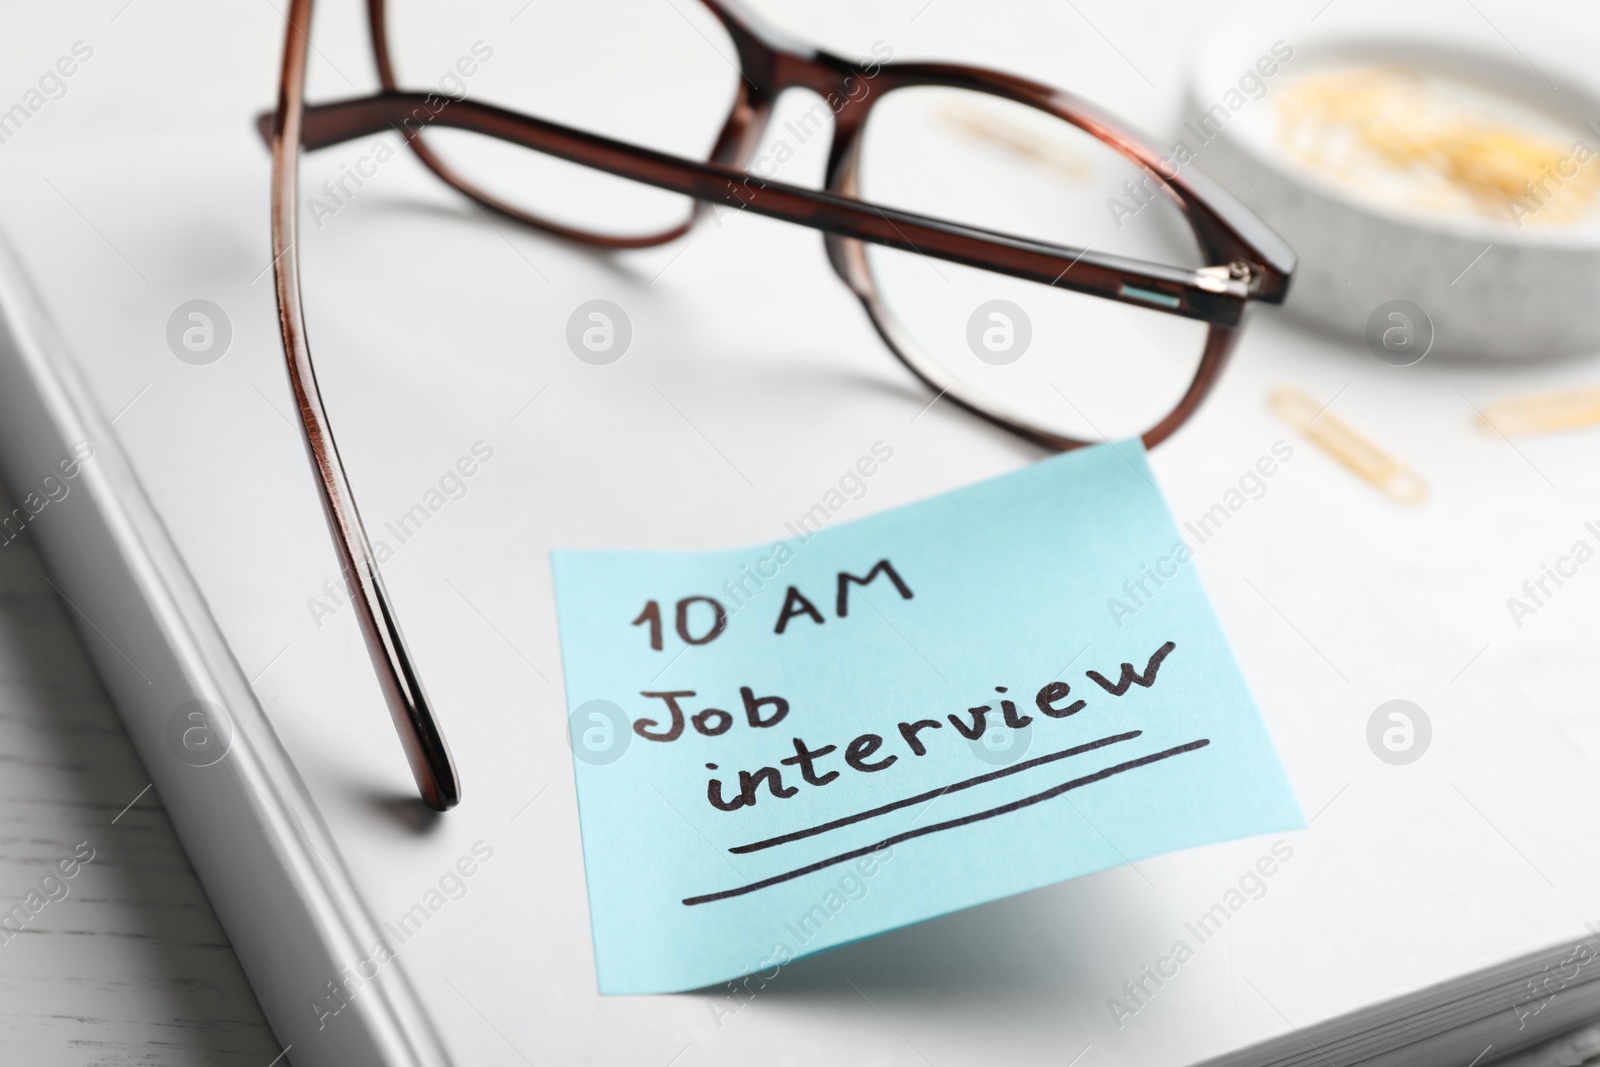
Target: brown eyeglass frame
(1251, 262)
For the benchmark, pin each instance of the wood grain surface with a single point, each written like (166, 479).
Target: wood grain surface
(129, 966)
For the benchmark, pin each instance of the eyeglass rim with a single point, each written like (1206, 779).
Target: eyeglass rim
(851, 263)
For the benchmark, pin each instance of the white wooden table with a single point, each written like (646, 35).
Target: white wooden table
(129, 966)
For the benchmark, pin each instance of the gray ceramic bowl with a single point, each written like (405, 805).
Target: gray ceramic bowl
(1489, 289)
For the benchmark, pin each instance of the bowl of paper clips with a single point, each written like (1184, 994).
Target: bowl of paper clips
(1441, 184)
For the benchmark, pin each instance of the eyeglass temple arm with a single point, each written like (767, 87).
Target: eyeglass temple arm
(1210, 295)
(426, 751)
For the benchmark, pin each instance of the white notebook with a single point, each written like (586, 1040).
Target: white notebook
(1432, 912)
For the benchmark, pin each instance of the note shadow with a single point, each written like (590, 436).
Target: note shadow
(1006, 947)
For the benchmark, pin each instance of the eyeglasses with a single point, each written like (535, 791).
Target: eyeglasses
(979, 217)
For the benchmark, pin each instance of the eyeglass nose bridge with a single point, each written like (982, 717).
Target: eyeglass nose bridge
(840, 85)
(772, 62)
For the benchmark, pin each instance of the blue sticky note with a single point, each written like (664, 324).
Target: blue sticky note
(784, 748)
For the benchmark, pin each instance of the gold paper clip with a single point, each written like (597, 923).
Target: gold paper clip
(1336, 437)
(1542, 411)
(1018, 140)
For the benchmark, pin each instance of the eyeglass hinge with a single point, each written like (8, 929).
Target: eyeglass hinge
(1225, 278)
